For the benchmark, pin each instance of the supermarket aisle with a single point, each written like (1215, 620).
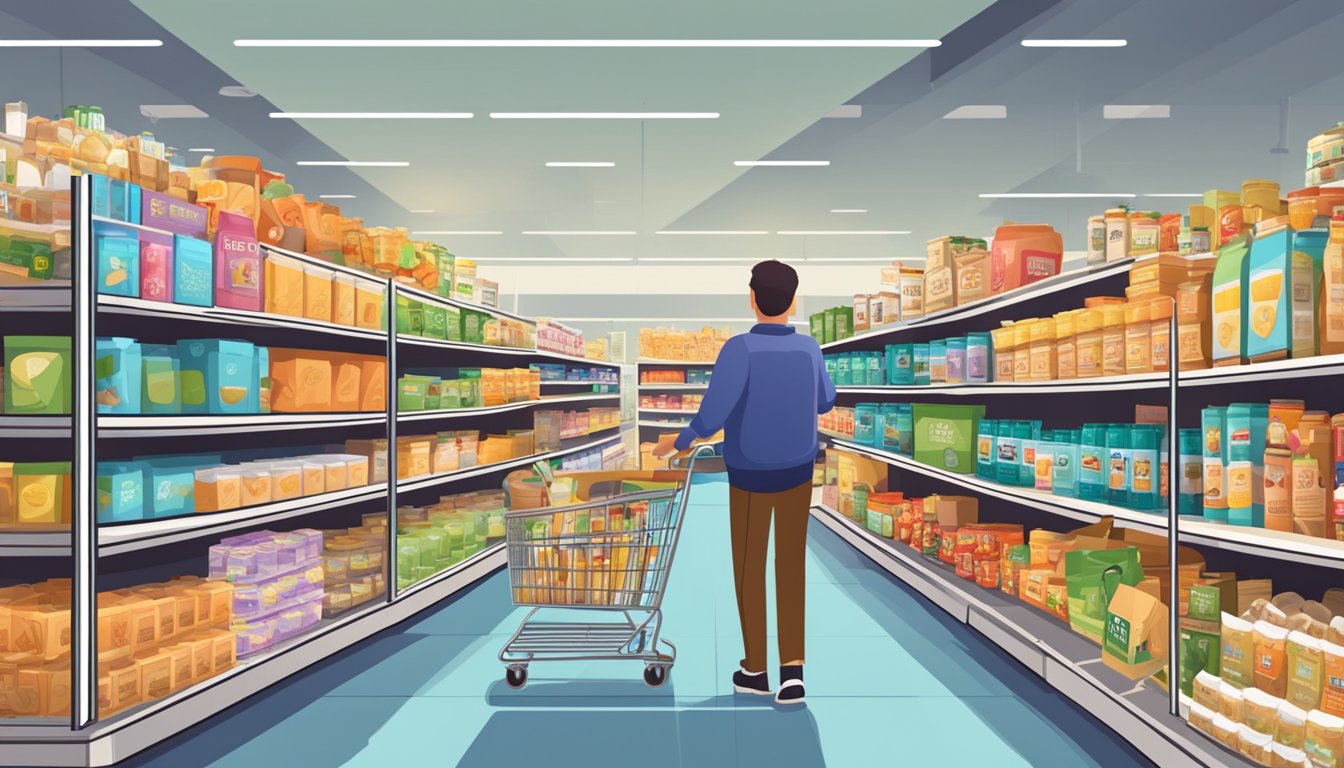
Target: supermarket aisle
(889, 678)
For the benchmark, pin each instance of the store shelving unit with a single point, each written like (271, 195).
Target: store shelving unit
(95, 552)
(1145, 715)
(655, 421)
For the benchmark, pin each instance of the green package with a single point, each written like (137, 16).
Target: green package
(445, 262)
(827, 326)
(945, 435)
(452, 323)
(1201, 650)
(817, 326)
(434, 394)
(450, 394)
(473, 326)
(412, 392)
(404, 314)
(37, 374)
(435, 321)
(1092, 576)
(844, 322)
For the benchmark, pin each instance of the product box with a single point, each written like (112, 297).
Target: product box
(161, 211)
(1280, 284)
(1230, 299)
(1193, 324)
(972, 275)
(1246, 426)
(160, 379)
(43, 493)
(283, 285)
(940, 288)
(169, 483)
(117, 371)
(238, 264)
(955, 511)
(120, 492)
(37, 375)
(1214, 421)
(301, 381)
(217, 375)
(816, 323)
(156, 266)
(118, 259)
(435, 321)
(193, 272)
(945, 435)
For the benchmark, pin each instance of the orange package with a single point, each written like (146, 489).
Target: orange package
(300, 381)
(372, 383)
(345, 382)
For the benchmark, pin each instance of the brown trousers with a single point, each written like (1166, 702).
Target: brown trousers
(750, 515)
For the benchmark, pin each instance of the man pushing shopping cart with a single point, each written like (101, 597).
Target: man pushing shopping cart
(768, 387)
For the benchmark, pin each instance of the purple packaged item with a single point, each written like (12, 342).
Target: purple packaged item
(156, 266)
(177, 216)
(238, 272)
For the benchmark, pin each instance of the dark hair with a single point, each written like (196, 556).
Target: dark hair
(775, 284)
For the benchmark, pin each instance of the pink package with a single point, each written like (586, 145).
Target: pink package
(156, 266)
(238, 269)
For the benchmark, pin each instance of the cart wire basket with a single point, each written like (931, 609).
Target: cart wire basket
(608, 557)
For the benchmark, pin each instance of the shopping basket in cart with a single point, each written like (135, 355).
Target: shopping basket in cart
(608, 556)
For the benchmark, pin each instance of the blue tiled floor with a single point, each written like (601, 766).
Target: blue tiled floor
(891, 680)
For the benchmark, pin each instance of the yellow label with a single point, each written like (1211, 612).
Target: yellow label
(1213, 483)
(1239, 485)
(1227, 320)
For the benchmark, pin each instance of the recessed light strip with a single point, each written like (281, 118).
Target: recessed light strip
(810, 232)
(552, 232)
(1074, 43)
(849, 210)
(781, 163)
(373, 115)
(422, 210)
(80, 43)
(1192, 195)
(1050, 195)
(432, 43)
(546, 259)
(712, 232)
(604, 115)
(457, 232)
(566, 164)
(200, 149)
(682, 259)
(337, 197)
(355, 163)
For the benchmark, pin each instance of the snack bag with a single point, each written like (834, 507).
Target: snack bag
(1135, 643)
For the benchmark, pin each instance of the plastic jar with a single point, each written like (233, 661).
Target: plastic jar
(1022, 345)
(1004, 349)
(1113, 340)
(1159, 312)
(1096, 240)
(1145, 232)
(1066, 357)
(1088, 342)
(1138, 338)
(1117, 234)
(1042, 359)
(1200, 240)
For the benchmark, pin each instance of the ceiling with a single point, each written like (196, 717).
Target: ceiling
(1223, 73)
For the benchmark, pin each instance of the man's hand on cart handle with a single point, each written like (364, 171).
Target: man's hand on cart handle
(666, 446)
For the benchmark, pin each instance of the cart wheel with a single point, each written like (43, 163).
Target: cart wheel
(656, 674)
(516, 676)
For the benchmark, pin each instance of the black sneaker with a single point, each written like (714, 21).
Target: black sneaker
(790, 685)
(747, 682)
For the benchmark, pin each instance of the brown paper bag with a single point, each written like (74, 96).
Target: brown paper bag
(1135, 640)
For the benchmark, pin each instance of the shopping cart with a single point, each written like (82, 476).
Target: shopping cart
(609, 555)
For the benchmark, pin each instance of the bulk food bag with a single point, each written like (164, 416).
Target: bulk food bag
(1093, 577)
(1135, 643)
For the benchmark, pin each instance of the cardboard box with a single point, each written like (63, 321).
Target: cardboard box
(955, 511)
(945, 435)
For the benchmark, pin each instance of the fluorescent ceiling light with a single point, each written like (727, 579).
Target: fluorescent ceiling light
(580, 165)
(337, 197)
(578, 232)
(422, 210)
(432, 43)
(849, 210)
(978, 112)
(1077, 43)
(781, 163)
(842, 259)
(1135, 111)
(486, 259)
(604, 115)
(66, 43)
(680, 259)
(373, 115)
(712, 232)
(810, 232)
(1049, 195)
(171, 111)
(846, 110)
(1193, 195)
(457, 232)
(355, 163)
(200, 149)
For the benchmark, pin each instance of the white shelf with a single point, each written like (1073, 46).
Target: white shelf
(1077, 509)
(1294, 547)
(577, 383)
(576, 358)
(663, 424)
(421, 341)
(1067, 661)
(419, 294)
(658, 361)
(123, 735)
(112, 426)
(29, 295)
(672, 387)
(128, 537)
(668, 411)
(36, 543)
(29, 427)
(126, 305)
(130, 225)
(1274, 370)
(430, 481)
(457, 413)
(994, 303)
(1136, 381)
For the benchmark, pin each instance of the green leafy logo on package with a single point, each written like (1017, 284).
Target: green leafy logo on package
(1117, 636)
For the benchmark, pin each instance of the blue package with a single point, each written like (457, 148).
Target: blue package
(920, 358)
(118, 264)
(901, 364)
(116, 372)
(193, 272)
(120, 493)
(170, 485)
(100, 195)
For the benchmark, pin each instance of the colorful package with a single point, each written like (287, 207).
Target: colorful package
(118, 259)
(120, 492)
(37, 375)
(156, 266)
(238, 264)
(117, 375)
(160, 211)
(217, 375)
(160, 379)
(193, 272)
